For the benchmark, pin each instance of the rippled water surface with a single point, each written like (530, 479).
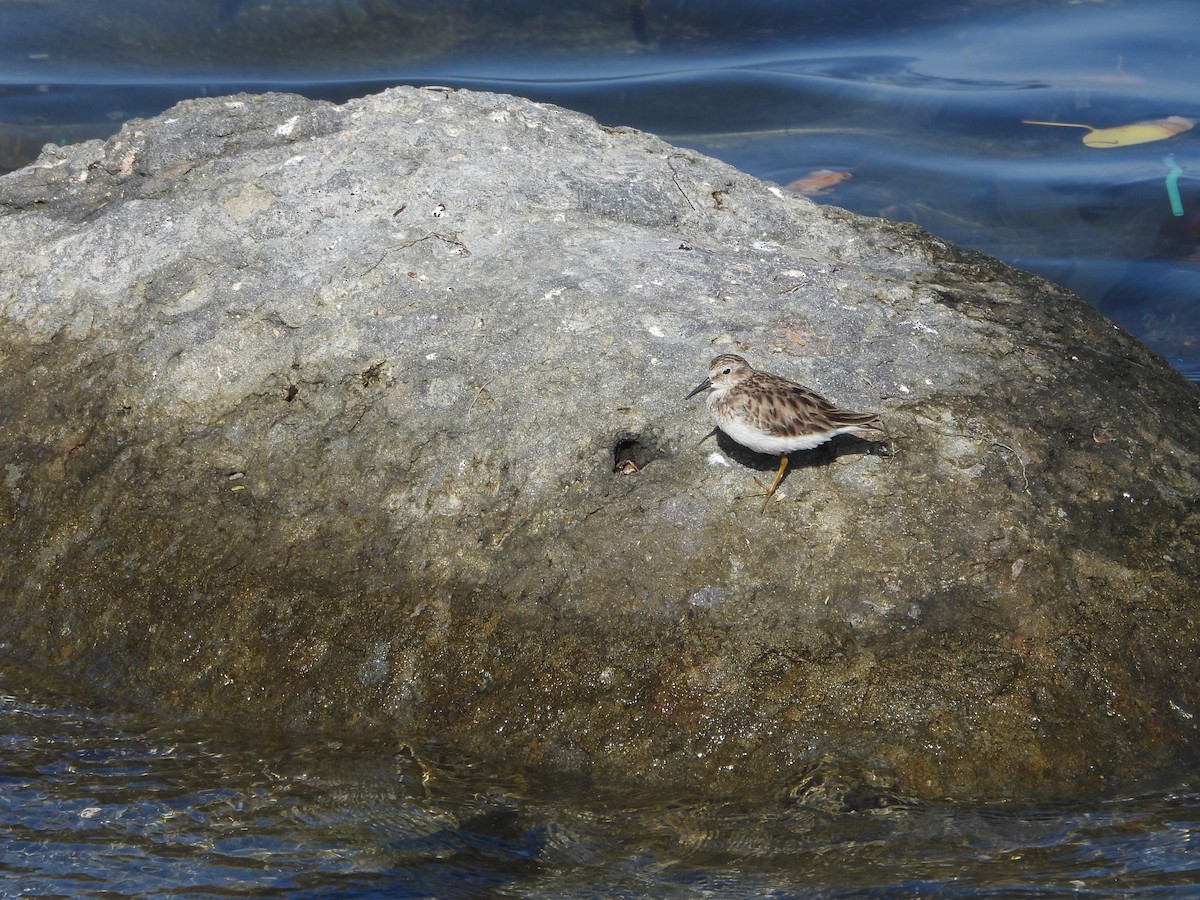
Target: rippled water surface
(915, 107)
(104, 804)
(908, 110)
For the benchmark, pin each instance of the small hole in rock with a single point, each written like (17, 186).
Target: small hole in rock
(292, 391)
(632, 453)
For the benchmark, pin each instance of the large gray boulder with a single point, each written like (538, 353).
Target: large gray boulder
(311, 416)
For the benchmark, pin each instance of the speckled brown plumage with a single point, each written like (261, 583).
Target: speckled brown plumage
(772, 414)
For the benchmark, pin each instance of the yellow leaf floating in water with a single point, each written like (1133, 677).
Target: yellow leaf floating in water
(1124, 135)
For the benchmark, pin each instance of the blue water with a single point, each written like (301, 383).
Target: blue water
(919, 103)
(99, 803)
(918, 106)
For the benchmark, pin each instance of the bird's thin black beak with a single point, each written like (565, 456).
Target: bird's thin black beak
(702, 386)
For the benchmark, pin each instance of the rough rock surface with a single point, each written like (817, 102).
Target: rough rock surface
(309, 417)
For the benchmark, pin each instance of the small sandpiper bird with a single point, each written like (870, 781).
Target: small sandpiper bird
(770, 414)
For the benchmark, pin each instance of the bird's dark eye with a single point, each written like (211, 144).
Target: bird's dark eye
(726, 371)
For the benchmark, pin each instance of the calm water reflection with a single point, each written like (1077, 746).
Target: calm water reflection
(109, 804)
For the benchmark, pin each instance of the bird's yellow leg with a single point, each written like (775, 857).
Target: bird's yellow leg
(769, 492)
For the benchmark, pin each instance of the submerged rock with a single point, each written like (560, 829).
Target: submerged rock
(371, 418)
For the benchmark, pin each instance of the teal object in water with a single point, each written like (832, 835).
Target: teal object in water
(1173, 185)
